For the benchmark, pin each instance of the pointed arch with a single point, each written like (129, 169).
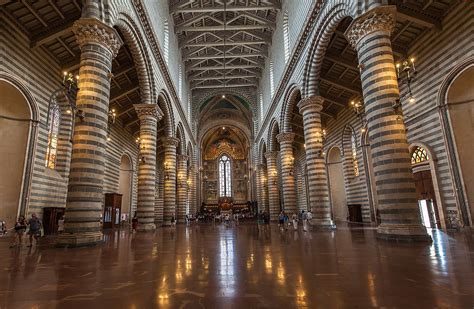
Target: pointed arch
(182, 139)
(140, 55)
(272, 133)
(333, 13)
(289, 102)
(164, 104)
(261, 151)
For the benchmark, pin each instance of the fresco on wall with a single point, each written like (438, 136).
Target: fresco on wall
(224, 143)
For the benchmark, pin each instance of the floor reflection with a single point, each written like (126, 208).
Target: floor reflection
(212, 266)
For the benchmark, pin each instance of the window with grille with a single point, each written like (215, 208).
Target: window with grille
(52, 149)
(225, 177)
(419, 155)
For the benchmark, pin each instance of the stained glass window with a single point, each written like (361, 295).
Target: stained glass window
(286, 37)
(225, 177)
(51, 151)
(419, 155)
(355, 163)
(167, 40)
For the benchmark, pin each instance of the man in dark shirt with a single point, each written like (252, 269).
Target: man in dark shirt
(35, 228)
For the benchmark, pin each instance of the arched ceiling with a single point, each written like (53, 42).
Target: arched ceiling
(224, 43)
(225, 139)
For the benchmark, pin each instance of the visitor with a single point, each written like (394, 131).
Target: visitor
(3, 228)
(294, 219)
(266, 217)
(287, 221)
(173, 221)
(61, 225)
(35, 229)
(20, 228)
(307, 220)
(281, 221)
(260, 217)
(134, 223)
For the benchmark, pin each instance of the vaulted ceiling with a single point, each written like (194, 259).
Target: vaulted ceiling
(224, 42)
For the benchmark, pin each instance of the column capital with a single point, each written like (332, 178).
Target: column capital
(89, 30)
(260, 166)
(377, 19)
(287, 137)
(148, 110)
(181, 157)
(271, 155)
(314, 101)
(170, 141)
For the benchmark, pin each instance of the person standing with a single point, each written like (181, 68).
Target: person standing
(35, 229)
(307, 220)
(20, 228)
(61, 225)
(281, 221)
(294, 219)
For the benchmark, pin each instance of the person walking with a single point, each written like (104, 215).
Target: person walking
(35, 229)
(20, 228)
(305, 222)
(294, 219)
(281, 221)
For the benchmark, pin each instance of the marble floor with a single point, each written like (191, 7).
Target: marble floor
(213, 266)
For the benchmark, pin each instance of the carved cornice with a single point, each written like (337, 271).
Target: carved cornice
(89, 30)
(314, 102)
(170, 141)
(286, 137)
(381, 18)
(148, 110)
(271, 155)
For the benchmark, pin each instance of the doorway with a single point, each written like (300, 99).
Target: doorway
(460, 103)
(125, 186)
(14, 139)
(336, 185)
(426, 198)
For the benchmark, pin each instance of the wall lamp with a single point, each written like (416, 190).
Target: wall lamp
(167, 169)
(358, 108)
(406, 72)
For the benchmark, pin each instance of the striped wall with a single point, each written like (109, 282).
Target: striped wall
(338, 131)
(437, 54)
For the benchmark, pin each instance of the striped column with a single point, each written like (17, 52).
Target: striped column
(169, 144)
(182, 194)
(192, 187)
(319, 205)
(99, 44)
(263, 183)
(258, 185)
(369, 34)
(149, 115)
(287, 171)
(273, 193)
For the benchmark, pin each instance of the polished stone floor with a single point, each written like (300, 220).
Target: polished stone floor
(213, 266)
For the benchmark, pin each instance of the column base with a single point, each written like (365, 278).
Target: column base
(323, 224)
(76, 240)
(166, 223)
(146, 227)
(403, 232)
